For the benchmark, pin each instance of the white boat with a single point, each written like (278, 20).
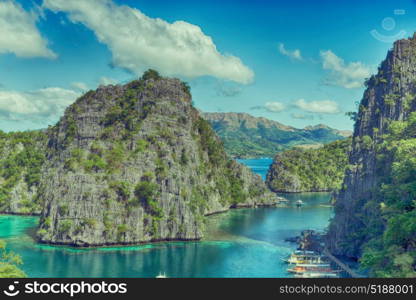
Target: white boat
(308, 257)
(306, 268)
(282, 200)
(305, 252)
(313, 265)
(299, 203)
(317, 275)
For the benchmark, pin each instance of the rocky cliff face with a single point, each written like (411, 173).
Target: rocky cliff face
(389, 97)
(247, 136)
(136, 163)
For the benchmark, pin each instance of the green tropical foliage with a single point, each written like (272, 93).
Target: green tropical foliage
(151, 74)
(310, 170)
(21, 161)
(391, 250)
(9, 263)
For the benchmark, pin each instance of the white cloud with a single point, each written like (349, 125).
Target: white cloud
(18, 32)
(275, 106)
(107, 81)
(79, 86)
(138, 42)
(351, 75)
(295, 54)
(323, 107)
(42, 105)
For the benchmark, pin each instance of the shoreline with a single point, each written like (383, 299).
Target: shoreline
(251, 158)
(303, 192)
(131, 244)
(20, 214)
(221, 238)
(152, 241)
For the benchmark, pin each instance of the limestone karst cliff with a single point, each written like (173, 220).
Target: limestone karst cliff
(375, 209)
(136, 163)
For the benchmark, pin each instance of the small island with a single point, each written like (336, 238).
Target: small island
(309, 170)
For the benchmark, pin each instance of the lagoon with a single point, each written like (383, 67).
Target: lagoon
(239, 243)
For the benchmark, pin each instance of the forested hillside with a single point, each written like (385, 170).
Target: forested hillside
(309, 170)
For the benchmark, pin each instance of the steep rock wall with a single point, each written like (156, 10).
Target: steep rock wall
(390, 96)
(136, 163)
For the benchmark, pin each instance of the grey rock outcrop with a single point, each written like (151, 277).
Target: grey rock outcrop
(136, 163)
(389, 97)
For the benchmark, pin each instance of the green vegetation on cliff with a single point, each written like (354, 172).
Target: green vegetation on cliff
(391, 249)
(20, 171)
(309, 170)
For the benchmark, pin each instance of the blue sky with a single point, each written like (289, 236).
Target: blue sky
(297, 62)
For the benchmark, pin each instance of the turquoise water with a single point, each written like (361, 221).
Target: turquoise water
(260, 165)
(240, 243)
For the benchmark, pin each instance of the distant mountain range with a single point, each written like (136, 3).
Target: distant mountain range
(245, 136)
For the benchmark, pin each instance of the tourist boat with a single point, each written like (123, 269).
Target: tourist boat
(305, 252)
(309, 264)
(299, 203)
(282, 200)
(303, 268)
(332, 274)
(305, 259)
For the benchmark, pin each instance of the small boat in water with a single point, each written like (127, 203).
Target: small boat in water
(282, 200)
(303, 256)
(299, 203)
(305, 252)
(310, 264)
